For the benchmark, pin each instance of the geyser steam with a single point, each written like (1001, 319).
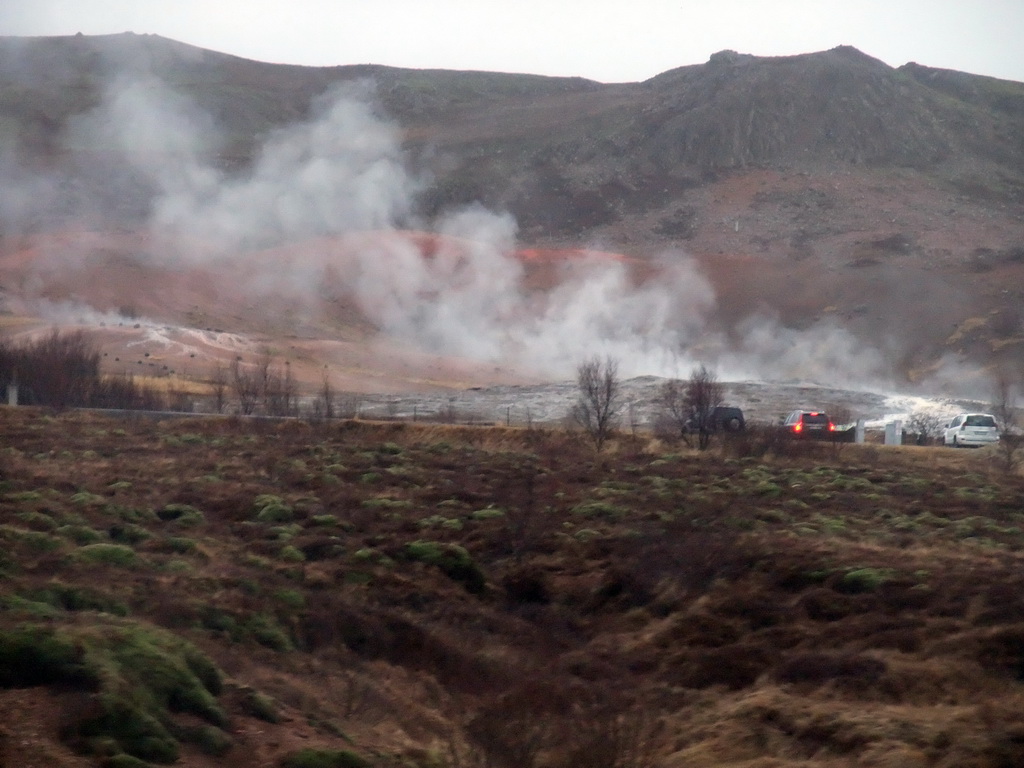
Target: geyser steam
(343, 175)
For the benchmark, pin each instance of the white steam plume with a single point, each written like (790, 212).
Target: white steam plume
(826, 352)
(341, 172)
(344, 172)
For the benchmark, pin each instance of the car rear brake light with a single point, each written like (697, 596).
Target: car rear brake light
(798, 426)
(831, 427)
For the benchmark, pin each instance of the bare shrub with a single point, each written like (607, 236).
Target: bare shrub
(839, 414)
(277, 389)
(686, 554)
(1002, 650)
(735, 666)
(818, 668)
(822, 604)
(219, 387)
(347, 407)
(265, 385)
(62, 370)
(760, 440)
(609, 728)
(925, 425)
(123, 393)
(448, 414)
(180, 400)
(525, 585)
(524, 516)
(672, 410)
(326, 399)
(356, 691)
(511, 730)
(702, 394)
(560, 723)
(599, 405)
(664, 429)
(245, 383)
(65, 367)
(1004, 406)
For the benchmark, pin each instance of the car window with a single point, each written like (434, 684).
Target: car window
(979, 420)
(815, 418)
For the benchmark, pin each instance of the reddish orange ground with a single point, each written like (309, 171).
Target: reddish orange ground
(154, 315)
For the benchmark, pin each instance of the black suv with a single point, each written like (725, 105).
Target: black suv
(809, 424)
(721, 418)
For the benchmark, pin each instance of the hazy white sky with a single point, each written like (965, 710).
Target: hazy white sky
(605, 40)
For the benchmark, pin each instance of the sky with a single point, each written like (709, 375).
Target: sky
(603, 40)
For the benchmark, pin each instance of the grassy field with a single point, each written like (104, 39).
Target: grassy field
(253, 593)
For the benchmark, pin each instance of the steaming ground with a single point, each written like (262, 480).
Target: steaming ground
(376, 377)
(314, 255)
(763, 402)
(190, 319)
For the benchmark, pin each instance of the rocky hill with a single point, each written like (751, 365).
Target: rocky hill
(820, 188)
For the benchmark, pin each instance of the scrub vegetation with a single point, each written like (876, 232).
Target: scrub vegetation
(228, 591)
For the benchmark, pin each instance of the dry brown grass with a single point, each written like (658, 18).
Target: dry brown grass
(809, 609)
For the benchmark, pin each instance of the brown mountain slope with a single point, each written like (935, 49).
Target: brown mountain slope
(822, 188)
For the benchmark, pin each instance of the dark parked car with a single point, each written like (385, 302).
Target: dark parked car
(722, 418)
(809, 424)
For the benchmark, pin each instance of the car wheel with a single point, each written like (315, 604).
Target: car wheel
(955, 443)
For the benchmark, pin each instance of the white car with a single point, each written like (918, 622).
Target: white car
(971, 429)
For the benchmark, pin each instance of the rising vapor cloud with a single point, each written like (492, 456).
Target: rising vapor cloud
(343, 174)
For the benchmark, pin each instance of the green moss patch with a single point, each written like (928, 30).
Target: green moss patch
(138, 677)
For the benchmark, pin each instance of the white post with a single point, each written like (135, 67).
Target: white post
(12, 393)
(858, 432)
(894, 433)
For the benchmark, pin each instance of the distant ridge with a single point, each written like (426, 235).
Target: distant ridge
(891, 186)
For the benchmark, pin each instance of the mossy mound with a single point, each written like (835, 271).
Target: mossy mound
(138, 678)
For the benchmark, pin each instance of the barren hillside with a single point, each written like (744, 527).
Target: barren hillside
(827, 199)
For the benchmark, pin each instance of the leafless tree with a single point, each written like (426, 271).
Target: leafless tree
(219, 387)
(1004, 407)
(673, 412)
(599, 404)
(62, 370)
(703, 394)
(326, 401)
(839, 414)
(277, 389)
(349, 407)
(264, 384)
(446, 414)
(927, 425)
(246, 384)
(262, 371)
(179, 400)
